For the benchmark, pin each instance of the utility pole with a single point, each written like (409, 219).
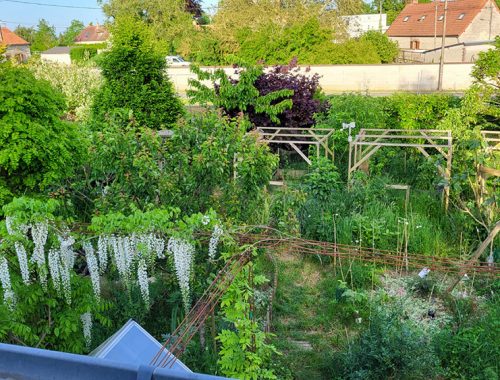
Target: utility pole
(443, 42)
(435, 21)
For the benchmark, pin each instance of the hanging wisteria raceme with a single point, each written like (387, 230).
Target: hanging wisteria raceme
(39, 232)
(86, 319)
(67, 254)
(54, 269)
(214, 241)
(142, 277)
(22, 257)
(93, 269)
(102, 253)
(183, 253)
(9, 225)
(8, 294)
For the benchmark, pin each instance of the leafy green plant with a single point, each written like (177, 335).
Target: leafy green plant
(238, 96)
(386, 49)
(244, 353)
(323, 179)
(37, 149)
(135, 80)
(389, 348)
(80, 54)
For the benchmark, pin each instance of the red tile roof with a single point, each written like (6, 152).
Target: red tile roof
(8, 37)
(93, 33)
(418, 25)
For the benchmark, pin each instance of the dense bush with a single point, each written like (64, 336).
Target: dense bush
(471, 351)
(37, 149)
(386, 49)
(78, 84)
(281, 95)
(135, 80)
(82, 53)
(390, 348)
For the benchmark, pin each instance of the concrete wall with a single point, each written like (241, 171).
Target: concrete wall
(426, 43)
(369, 78)
(455, 54)
(58, 58)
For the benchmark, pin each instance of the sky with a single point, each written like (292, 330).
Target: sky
(27, 12)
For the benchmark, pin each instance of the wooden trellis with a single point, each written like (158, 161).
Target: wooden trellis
(295, 137)
(492, 139)
(369, 141)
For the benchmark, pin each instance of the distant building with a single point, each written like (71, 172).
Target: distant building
(92, 34)
(358, 24)
(59, 54)
(470, 26)
(16, 46)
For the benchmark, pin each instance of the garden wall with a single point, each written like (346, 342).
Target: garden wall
(371, 78)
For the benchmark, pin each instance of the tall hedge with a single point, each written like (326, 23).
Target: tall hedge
(135, 80)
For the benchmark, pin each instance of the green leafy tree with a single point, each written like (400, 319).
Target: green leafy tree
(238, 96)
(386, 49)
(44, 37)
(25, 32)
(168, 33)
(135, 80)
(74, 29)
(37, 149)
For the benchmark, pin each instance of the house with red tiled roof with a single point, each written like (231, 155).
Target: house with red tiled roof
(16, 46)
(470, 26)
(92, 34)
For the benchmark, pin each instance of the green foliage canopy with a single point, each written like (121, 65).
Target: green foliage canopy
(37, 149)
(135, 80)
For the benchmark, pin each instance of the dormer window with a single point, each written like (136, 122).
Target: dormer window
(461, 16)
(440, 18)
(406, 18)
(422, 18)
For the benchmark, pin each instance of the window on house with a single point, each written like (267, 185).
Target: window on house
(422, 18)
(406, 18)
(461, 16)
(415, 44)
(440, 18)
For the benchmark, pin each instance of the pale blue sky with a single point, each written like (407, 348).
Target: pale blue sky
(19, 13)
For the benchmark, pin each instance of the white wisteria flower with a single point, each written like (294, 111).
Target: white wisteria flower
(54, 265)
(22, 257)
(214, 241)
(102, 253)
(183, 253)
(142, 276)
(93, 269)
(86, 319)
(8, 294)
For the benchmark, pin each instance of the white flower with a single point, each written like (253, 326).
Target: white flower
(54, 266)
(8, 294)
(67, 254)
(102, 253)
(86, 319)
(183, 253)
(214, 241)
(40, 232)
(22, 257)
(8, 225)
(205, 220)
(142, 276)
(93, 269)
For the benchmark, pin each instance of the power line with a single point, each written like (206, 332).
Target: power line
(50, 5)
(28, 24)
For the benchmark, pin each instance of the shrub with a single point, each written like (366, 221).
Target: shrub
(390, 348)
(78, 84)
(472, 350)
(37, 149)
(82, 53)
(135, 80)
(386, 49)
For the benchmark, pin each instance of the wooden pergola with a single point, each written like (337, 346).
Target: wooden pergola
(296, 137)
(369, 141)
(492, 140)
